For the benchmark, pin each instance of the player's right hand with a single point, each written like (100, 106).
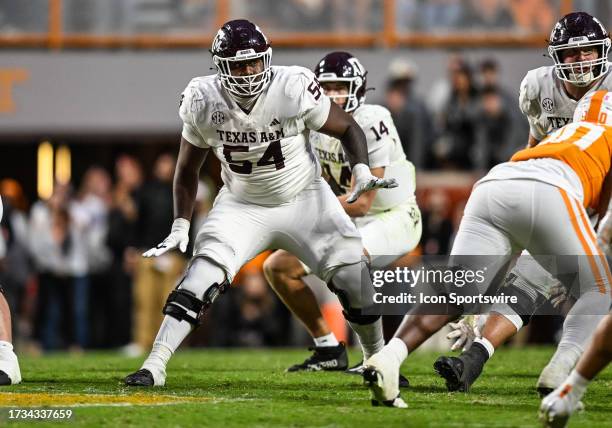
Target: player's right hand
(178, 238)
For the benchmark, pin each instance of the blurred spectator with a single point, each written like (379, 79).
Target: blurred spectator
(411, 118)
(121, 239)
(454, 148)
(488, 15)
(15, 263)
(439, 92)
(59, 248)
(533, 16)
(440, 14)
(355, 15)
(437, 227)
(303, 15)
(156, 277)
(502, 129)
(24, 16)
(90, 212)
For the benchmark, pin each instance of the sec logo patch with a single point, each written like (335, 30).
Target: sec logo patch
(218, 117)
(547, 104)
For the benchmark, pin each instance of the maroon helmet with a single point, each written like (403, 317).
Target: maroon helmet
(236, 41)
(579, 30)
(344, 67)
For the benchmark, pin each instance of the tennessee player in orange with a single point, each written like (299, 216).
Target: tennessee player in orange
(535, 202)
(579, 45)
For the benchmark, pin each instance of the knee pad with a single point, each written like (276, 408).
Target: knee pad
(203, 278)
(346, 284)
(527, 298)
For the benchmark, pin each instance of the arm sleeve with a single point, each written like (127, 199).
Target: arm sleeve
(192, 102)
(529, 104)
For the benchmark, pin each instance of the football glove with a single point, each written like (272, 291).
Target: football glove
(464, 332)
(365, 181)
(178, 238)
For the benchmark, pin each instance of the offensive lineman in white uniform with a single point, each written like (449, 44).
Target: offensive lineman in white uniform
(389, 221)
(579, 45)
(9, 365)
(256, 118)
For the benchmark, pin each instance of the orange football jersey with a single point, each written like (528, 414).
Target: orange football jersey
(585, 146)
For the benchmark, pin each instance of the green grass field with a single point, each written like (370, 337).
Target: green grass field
(250, 388)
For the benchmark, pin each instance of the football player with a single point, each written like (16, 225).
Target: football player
(9, 365)
(558, 406)
(579, 46)
(537, 202)
(256, 118)
(389, 221)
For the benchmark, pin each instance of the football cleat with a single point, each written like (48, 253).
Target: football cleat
(358, 369)
(381, 375)
(328, 358)
(459, 372)
(144, 377)
(10, 374)
(551, 377)
(558, 406)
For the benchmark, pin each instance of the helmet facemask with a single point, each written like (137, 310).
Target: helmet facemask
(353, 100)
(581, 73)
(249, 85)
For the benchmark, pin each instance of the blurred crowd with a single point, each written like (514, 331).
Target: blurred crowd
(469, 121)
(73, 275)
(72, 266)
(180, 16)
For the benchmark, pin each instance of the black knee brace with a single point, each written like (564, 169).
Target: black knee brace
(356, 316)
(352, 314)
(185, 306)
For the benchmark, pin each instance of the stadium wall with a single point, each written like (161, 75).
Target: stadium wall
(124, 92)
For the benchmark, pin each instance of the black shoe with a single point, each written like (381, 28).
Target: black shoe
(4, 379)
(358, 369)
(461, 372)
(327, 358)
(142, 377)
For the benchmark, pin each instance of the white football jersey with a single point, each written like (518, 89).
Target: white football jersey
(384, 150)
(545, 103)
(266, 158)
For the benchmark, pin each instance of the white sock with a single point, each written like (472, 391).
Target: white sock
(327, 340)
(370, 337)
(6, 346)
(579, 384)
(566, 354)
(170, 335)
(159, 357)
(398, 349)
(486, 344)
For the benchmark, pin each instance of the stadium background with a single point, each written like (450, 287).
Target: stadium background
(89, 93)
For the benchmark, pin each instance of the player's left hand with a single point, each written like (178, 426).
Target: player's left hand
(365, 181)
(464, 332)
